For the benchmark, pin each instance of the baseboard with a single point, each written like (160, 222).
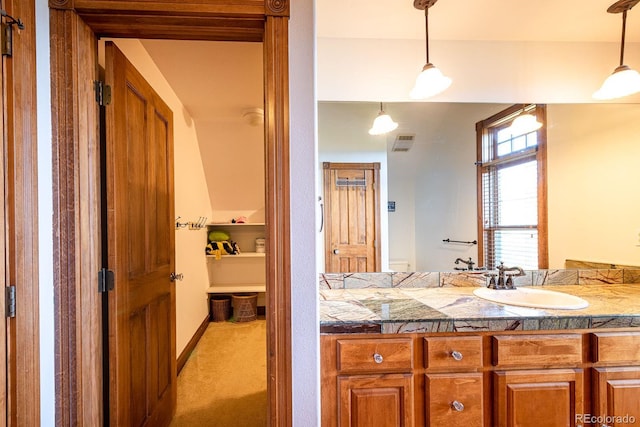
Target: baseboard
(191, 345)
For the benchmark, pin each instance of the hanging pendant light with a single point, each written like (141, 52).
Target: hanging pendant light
(624, 80)
(524, 124)
(382, 123)
(430, 81)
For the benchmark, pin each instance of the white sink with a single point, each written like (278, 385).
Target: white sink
(531, 297)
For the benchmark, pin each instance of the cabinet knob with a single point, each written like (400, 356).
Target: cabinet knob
(377, 358)
(456, 355)
(457, 406)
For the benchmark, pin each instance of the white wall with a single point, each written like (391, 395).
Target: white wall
(482, 71)
(594, 173)
(45, 217)
(341, 140)
(305, 333)
(191, 200)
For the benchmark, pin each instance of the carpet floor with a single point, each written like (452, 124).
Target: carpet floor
(224, 381)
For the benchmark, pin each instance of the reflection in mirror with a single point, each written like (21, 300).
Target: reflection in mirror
(593, 153)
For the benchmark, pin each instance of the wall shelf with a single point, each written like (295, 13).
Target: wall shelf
(241, 255)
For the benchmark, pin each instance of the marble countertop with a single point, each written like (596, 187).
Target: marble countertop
(457, 309)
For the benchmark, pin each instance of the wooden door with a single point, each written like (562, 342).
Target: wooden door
(534, 398)
(375, 400)
(616, 394)
(140, 230)
(352, 217)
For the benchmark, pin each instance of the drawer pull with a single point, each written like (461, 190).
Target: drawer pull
(456, 355)
(458, 406)
(377, 358)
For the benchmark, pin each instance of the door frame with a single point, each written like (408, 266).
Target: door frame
(74, 28)
(19, 155)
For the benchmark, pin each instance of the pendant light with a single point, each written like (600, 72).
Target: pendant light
(524, 123)
(430, 81)
(624, 80)
(382, 123)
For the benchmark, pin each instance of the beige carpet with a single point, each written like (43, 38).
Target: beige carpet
(224, 382)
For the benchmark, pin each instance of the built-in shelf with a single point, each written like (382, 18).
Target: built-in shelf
(241, 255)
(235, 224)
(230, 289)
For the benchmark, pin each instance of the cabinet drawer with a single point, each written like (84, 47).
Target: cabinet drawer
(454, 400)
(453, 353)
(375, 355)
(616, 347)
(537, 350)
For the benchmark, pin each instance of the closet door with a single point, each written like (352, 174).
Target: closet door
(140, 230)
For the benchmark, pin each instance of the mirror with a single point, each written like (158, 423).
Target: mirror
(593, 161)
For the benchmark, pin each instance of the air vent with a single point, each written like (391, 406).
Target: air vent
(403, 142)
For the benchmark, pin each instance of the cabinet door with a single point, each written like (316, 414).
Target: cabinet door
(375, 400)
(534, 398)
(454, 400)
(616, 394)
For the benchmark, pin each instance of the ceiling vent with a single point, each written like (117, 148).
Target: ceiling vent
(403, 142)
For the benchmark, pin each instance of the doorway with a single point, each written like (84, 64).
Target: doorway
(352, 217)
(73, 62)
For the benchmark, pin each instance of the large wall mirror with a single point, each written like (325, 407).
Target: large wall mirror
(593, 163)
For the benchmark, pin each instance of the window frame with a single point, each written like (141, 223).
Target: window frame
(483, 129)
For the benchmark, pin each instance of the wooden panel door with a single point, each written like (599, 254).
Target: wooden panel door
(352, 217)
(616, 393)
(375, 400)
(139, 162)
(535, 398)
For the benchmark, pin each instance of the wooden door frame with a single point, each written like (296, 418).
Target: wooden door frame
(20, 158)
(74, 28)
(375, 166)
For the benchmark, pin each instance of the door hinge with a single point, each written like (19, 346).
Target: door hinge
(106, 281)
(6, 39)
(10, 301)
(6, 32)
(103, 93)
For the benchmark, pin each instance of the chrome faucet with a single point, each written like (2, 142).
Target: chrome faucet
(469, 263)
(505, 280)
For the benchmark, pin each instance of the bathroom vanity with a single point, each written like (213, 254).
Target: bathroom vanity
(435, 356)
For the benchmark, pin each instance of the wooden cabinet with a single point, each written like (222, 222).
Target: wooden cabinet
(616, 394)
(454, 399)
(453, 389)
(375, 400)
(489, 379)
(616, 389)
(533, 398)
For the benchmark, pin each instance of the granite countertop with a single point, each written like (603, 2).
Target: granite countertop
(457, 309)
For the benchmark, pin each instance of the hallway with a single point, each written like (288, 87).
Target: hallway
(223, 383)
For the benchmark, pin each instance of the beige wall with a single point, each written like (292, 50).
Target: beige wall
(594, 174)
(191, 201)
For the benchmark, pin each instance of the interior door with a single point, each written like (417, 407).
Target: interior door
(352, 223)
(140, 236)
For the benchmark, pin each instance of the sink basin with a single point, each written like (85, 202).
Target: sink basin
(531, 297)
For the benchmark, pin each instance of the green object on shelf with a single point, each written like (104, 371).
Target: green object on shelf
(218, 236)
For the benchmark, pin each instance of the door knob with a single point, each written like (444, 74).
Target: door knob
(336, 251)
(176, 276)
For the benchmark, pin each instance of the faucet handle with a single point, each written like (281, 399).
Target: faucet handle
(492, 280)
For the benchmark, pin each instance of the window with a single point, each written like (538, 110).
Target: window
(512, 187)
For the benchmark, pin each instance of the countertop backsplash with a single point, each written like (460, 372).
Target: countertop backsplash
(475, 278)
